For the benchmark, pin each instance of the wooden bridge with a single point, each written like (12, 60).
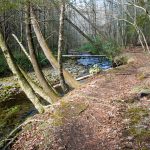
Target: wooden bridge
(86, 55)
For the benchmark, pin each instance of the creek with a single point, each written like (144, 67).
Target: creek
(89, 61)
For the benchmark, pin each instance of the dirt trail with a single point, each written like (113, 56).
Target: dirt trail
(97, 116)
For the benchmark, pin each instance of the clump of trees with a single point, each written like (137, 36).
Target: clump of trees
(40, 26)
(31, 89)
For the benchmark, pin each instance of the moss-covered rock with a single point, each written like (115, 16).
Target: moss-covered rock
(95, 69)
(123, 59)
(67, 110)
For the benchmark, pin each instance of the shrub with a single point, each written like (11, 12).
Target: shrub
(42, 60)
(93, 49)
(87, 47)
(4, 70)
(109, 48)
(22, 61)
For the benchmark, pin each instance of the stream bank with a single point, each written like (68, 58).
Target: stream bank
(15, 107)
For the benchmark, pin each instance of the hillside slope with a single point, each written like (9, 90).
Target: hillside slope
(111, 111)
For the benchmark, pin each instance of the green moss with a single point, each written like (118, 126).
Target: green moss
(12, 112)
(7, 116)
(136, 114)
(67, 110)
(141, 89)
(8, 91)
(137, 127)
(139, 133)
(95, 69)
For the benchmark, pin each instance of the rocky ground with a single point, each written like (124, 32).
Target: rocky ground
(111, 111)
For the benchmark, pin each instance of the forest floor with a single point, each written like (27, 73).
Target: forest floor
(109, 112)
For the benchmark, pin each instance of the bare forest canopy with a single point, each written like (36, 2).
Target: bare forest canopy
(123, 21)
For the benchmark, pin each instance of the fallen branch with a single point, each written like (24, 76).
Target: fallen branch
(10, 142)
(84, 77)
(81, 78)
(78, 79)
(84, 55)
(15, 132)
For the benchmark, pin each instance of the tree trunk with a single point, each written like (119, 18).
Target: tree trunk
(21, 79)
(60, 47)
(46, 87)
(38, 90)
(48, 53)
(34, 85)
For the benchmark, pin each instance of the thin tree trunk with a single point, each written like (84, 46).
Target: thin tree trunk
(60, 48)
(48, 53)
(46, 87)
(21, 79)
(38, 90)
(35, 86)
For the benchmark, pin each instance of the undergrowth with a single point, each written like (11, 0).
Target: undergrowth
(109, 48)
(22, 61)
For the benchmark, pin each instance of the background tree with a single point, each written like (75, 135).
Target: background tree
(61, 46)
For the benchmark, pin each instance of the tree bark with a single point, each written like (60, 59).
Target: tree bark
(34, 85)
(21, 79)
(60, 48)
(46, 87)
(48, 53)
(38, 90)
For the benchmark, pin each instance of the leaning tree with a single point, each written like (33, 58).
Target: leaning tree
(44, 90)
